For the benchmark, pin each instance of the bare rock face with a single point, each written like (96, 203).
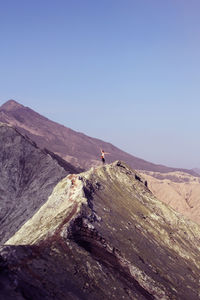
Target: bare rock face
(103, 235)
(77, 148)
(28, 176)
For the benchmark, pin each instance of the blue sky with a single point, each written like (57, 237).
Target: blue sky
(125, 71)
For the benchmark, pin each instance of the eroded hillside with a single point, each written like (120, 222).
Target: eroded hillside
(103, 235)
(178, 189)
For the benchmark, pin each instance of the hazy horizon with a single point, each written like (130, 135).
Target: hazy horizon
(126, 72)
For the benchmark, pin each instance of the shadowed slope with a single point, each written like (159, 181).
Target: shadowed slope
(28, 176)
(103, 235)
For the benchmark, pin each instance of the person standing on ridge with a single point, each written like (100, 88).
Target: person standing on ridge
(103, 156)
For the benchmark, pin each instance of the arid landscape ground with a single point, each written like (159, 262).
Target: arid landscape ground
(178, 189)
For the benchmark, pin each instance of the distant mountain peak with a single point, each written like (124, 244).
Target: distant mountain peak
(79, 149)
(10, 105)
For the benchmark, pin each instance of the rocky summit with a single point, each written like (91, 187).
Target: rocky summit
(102, 235)
(28, 176)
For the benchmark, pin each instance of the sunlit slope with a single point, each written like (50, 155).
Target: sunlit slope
(178, 189)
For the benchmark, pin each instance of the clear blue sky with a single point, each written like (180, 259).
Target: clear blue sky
(125, 71)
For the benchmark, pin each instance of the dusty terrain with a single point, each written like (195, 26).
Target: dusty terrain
(178, 189)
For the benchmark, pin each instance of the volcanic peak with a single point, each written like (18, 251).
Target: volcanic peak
(11, 105)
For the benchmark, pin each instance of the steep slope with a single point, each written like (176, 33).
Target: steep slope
(179, 190)
(103, 235)
(28, 176)
(77, 148)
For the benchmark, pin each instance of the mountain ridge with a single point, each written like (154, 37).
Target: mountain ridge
(103, 235)
(79, 149)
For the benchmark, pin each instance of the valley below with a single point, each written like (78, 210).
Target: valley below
(178, 189)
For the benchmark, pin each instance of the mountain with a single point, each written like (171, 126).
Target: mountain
(77, 148)
(102, 235)
(28, 176)
(84, 152)
(178, 189)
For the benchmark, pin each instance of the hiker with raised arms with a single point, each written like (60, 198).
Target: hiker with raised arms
(103, 155)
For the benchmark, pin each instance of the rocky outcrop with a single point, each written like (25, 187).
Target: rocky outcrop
(77, 148)
(28, 176)
(103, 235)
